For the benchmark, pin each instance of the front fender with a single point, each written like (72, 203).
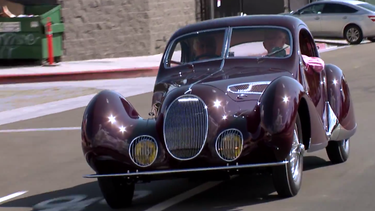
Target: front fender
(109, 125)
(110, 112)
(278, 108)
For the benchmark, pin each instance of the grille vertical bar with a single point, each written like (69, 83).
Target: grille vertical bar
(186, 127)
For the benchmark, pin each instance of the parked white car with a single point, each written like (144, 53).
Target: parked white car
(352, 20)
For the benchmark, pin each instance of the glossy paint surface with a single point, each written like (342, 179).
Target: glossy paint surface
(265, 118)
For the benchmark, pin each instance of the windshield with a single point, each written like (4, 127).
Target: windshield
(251, 41)
(259, 42)
(367, 6)
(196, 47)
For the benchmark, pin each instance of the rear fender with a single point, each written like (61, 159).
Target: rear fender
(341, 104)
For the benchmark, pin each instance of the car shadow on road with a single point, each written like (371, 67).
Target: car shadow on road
(242, 191)
(84, 197)
(313, 162)
(245, 190)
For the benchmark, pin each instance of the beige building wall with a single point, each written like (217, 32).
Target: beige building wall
(118, 28)
(104, 29)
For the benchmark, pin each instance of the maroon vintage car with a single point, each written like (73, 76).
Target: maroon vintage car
(232, 95)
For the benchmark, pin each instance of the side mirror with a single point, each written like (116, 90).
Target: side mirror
(313, 63)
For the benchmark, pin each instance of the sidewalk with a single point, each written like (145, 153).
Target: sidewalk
(82, 70)
(128, 67)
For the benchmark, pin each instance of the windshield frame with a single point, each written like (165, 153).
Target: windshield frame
(226, 45)
(291, 40)
(172, 44)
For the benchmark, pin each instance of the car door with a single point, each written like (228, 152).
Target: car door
(311, 16)
(334, 18)
(315, 86)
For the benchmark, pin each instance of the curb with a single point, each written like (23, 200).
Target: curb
(102, 74)
(79, 75)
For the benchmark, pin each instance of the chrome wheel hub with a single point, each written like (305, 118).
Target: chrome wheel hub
(295, 158)
(352, 34)
(345, 146)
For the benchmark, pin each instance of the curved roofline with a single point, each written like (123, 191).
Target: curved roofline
(283, 20)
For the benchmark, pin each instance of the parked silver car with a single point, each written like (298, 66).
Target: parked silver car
(350, 19)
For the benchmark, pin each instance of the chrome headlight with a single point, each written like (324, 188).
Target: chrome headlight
(143, 150)
(229, 144)
(248, 88)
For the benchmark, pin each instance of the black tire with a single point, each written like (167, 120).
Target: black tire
(353, 34)
(284, 183)
(117, 192)
(338, 151)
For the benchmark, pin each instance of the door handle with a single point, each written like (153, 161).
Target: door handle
(316, 18)
(344, 17)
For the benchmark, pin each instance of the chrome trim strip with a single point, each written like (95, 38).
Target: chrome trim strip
(158, 172)
(255, 83)
(340, 133)
(332, 119)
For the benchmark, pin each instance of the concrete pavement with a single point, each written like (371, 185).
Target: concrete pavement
(49, 164)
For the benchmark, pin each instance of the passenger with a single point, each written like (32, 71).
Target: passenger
(274, 40)
(204, 48)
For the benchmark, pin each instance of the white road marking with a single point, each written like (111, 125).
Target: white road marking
(11, 196)
(126, 87)
(183, 196)
(72, 203)
(31, 112)
(39, 129)
(79, 202)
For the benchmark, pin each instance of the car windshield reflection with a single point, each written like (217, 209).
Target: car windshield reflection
(244, 42)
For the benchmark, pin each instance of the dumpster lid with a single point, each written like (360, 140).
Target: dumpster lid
(35, 2)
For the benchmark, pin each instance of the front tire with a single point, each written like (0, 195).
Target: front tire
(117, 192)
(338, 151)
(287, 179)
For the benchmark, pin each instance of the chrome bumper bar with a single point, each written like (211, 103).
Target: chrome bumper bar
(158, 172)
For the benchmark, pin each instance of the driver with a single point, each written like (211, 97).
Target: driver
(274, 40)
(204, 47)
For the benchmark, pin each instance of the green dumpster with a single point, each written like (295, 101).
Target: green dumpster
(25, 37)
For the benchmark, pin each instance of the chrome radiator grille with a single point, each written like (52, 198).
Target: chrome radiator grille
(186, 127)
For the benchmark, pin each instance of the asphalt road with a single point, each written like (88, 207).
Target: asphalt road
(49, 165)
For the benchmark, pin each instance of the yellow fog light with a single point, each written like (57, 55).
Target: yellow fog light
(143, 150)
(229, 144)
